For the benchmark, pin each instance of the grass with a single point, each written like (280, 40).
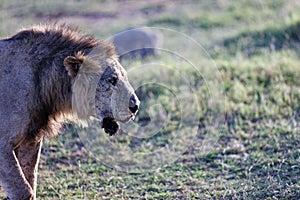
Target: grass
(270, 38)
(237, 138)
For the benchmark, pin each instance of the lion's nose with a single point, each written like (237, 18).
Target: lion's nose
(134, 104)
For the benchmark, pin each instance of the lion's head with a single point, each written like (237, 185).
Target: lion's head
(100, 88)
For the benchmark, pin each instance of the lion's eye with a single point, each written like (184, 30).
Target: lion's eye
(113, 81)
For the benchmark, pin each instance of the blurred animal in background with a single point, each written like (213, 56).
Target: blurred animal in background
(137, 42)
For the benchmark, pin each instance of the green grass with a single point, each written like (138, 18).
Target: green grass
(269, 38)
(247, 143)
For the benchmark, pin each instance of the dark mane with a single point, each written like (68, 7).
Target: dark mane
(55, 39)
(59, 34)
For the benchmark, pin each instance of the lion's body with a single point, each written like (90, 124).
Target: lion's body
(36, 97)
(10, 79)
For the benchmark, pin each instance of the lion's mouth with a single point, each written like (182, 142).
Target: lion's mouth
(110, 125)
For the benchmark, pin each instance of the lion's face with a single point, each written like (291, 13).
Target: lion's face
(100, 88)
(115, 98)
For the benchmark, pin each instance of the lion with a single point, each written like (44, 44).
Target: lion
(49, 75)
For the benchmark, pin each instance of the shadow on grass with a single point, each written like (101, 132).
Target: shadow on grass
(253, 43)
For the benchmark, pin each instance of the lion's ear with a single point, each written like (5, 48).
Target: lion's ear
(72, 65)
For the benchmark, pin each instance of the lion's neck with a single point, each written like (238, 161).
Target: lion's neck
(52, 100)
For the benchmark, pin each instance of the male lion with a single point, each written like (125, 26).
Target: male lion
(50, 74)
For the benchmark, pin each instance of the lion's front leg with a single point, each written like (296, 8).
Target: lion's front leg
(28, 154)
(12, 178)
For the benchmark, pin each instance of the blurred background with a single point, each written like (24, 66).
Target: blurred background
(220, 114)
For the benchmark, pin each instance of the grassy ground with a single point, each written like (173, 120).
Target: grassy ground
(245, 141)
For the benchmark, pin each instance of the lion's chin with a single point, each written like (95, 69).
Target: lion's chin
(110, 126)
